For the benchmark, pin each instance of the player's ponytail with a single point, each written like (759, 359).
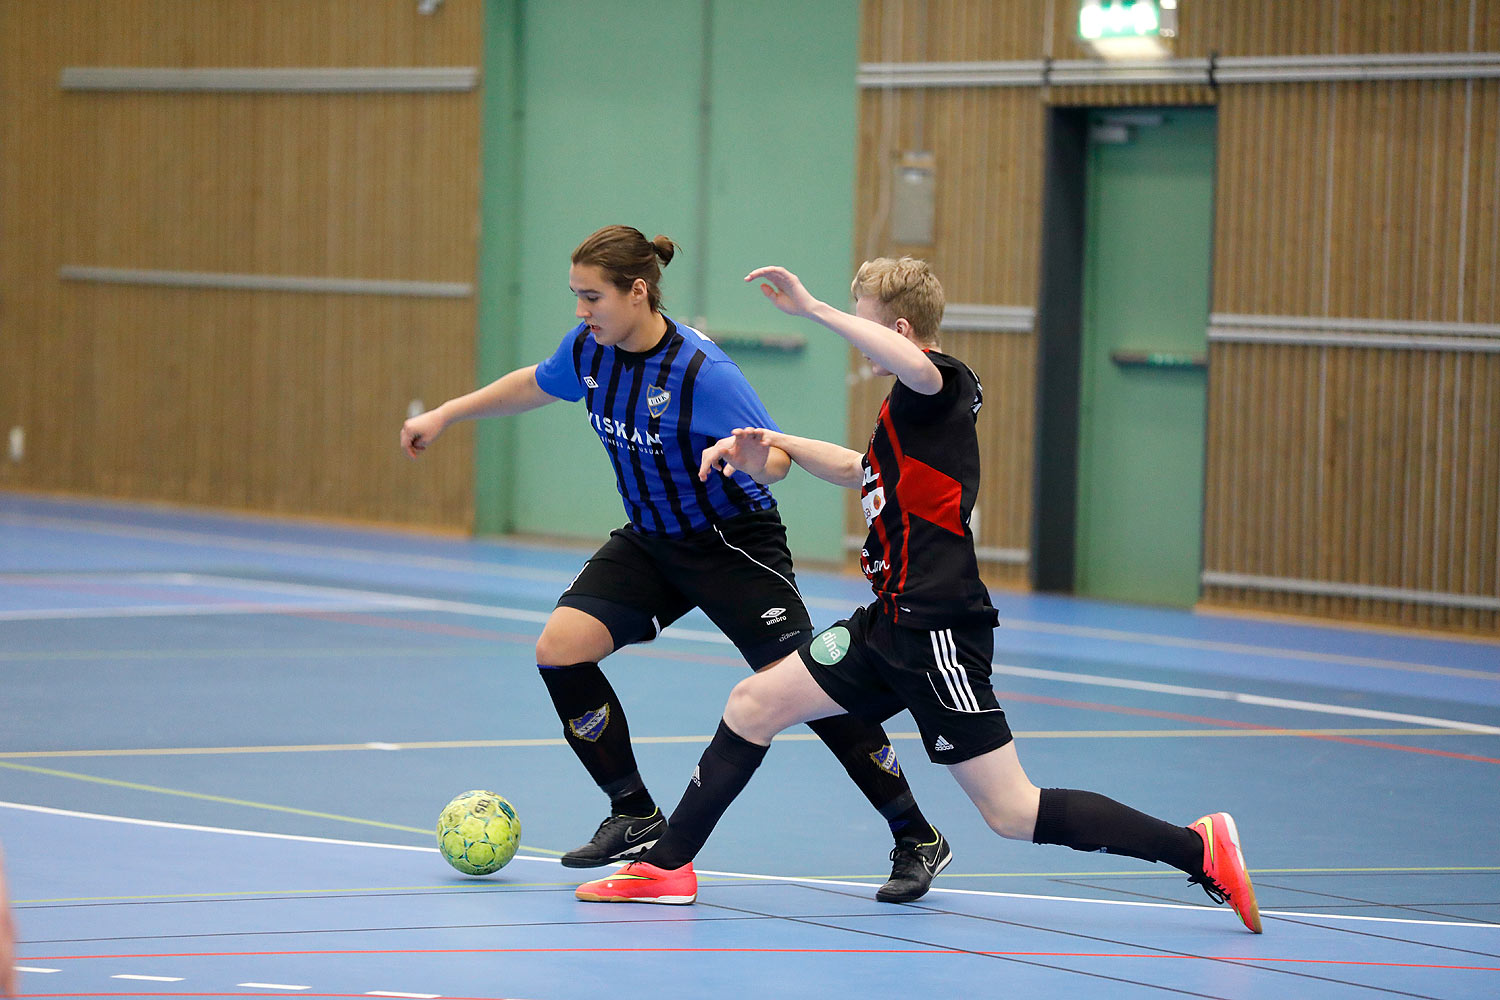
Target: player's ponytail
(624, 254)
(665, 249)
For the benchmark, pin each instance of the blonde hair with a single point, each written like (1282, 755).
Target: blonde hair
(903, 289)
(624, 254)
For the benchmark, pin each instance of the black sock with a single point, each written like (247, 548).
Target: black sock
(865, 751)
(722, 773)
(1088, 821)
(594, 726)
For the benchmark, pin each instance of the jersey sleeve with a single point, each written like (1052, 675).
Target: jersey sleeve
(558, 375)
(915, 406)
(723, 400)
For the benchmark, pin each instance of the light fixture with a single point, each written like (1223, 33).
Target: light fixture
(1127, 29)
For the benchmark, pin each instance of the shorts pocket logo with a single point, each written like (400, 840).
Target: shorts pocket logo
(830, 645)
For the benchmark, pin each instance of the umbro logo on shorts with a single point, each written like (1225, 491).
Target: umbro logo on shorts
(774, 616)
(940, 744)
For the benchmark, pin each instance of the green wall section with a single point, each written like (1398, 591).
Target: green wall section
(1148, 248)
(699, 119)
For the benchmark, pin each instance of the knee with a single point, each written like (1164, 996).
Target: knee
(552, 649)
(748, 712)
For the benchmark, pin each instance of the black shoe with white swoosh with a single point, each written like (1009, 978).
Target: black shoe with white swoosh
(913, 868)
(619, 838)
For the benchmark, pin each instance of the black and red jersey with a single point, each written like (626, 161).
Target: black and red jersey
(921, 477)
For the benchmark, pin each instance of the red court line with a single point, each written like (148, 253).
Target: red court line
(1258, 959)
(1040, 699)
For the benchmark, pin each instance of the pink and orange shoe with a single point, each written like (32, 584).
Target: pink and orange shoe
(640, 882)
(1224, 876)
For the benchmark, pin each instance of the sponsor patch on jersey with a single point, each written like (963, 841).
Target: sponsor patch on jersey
(885, 759)
(591, 725)
(830, 645)
(657, 399)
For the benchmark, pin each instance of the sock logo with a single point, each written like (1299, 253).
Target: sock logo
(940, 744)
(830, 645)
(885, 759)
(591, 725)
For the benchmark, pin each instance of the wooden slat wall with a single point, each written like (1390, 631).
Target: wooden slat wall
(987, 145)
(272, 401)
(1376, 200)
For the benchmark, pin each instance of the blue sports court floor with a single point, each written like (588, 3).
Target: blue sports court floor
(224, 742)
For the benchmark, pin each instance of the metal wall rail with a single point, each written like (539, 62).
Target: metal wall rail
(267, 282)
(1315, 331)
(1209, 71)
(281, 80)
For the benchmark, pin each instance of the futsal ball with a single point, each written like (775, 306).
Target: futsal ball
(478, 832)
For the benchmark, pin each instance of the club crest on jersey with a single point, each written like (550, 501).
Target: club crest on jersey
(591, 725)
(885, 759)
(657, 399)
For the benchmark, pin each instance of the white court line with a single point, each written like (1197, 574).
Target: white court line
(1243, 698)
(353, 601)
(273, 986)
(210, 540)
(989, 893)
(32, 968)
(150, 979)
(375, 600)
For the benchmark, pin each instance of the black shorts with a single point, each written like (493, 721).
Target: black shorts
(738, 571)
(874, 668)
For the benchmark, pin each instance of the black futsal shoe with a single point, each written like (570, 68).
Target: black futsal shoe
(913, 868)
(619, 838)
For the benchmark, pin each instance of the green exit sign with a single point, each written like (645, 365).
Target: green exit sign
(1106, 19)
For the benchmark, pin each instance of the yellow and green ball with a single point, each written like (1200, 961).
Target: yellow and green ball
(478, 832)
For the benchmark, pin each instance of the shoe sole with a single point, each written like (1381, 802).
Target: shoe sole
(589, 897)
(944, 862)
(1249, 894)
(573, 861)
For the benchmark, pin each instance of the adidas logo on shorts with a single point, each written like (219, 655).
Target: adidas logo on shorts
(940, 744)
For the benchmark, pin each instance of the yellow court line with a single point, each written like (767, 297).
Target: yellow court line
(116, 783)
(1055, 734)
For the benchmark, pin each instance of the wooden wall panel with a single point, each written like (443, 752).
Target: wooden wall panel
(273, 401)
(1340, 465)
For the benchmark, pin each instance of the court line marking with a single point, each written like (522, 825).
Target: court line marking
(1241, 697)
(558, 741)
(931, 950)
(390, 602)
(1078, 631)
(211, 540)
(809, 880)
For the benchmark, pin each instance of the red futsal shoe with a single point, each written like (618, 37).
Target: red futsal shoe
(1224, 876)
(640, 882)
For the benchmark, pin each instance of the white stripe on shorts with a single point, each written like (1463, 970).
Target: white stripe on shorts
(945, 654)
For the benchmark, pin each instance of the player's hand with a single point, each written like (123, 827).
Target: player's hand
(420, 431)
(744, 450)
(785, 290)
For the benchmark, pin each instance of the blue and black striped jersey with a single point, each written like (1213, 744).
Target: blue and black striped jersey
(655, 411)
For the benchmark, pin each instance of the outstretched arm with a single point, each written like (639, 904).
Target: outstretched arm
(516, 392)
(880, 344)
(745, 453)
(830, 462)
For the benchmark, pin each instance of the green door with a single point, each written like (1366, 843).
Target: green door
(1142, 400)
